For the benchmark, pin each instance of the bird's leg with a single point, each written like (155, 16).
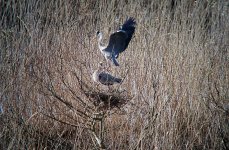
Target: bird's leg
(106, 89)
(109, 89)
(108, 66)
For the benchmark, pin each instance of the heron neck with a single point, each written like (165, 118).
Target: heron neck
(101, 45)
(96, 75)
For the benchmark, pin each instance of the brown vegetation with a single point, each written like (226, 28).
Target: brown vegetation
(175, 90)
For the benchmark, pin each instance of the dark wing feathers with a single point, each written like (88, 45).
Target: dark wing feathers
(120, 39)
(116, 43)
(129, 28)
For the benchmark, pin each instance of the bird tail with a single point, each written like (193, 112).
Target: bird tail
(118, 80)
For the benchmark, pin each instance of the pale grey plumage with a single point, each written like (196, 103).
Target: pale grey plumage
(118, 42)
(104, 78)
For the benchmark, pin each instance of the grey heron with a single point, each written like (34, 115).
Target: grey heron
(104, 78)
(118, 42)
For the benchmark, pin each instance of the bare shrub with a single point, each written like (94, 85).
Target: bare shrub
(175, 91)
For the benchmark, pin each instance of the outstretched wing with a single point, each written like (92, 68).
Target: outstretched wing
(129, 28)
(120, 39)
(117, 42)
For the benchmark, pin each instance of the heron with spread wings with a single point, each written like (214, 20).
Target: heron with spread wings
(118, 42)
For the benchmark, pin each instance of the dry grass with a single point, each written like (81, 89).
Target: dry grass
(175, 93)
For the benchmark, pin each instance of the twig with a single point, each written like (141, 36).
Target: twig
(73, 125)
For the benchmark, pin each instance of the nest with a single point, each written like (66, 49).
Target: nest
(104, 100)
(108, 100)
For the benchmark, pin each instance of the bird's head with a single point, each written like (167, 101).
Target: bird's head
(100, 64)
(99, 35)
(98, 32)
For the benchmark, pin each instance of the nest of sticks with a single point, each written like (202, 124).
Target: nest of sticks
(108, 100)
